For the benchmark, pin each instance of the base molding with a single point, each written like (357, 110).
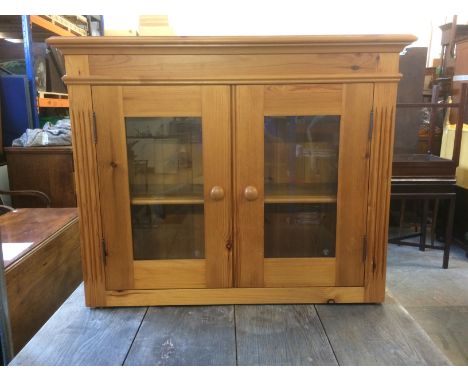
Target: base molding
(303, 295)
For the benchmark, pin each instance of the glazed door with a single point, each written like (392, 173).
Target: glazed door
(301, 183)
(164, 159)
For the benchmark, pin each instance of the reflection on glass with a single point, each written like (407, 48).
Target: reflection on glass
(301, 177)
(168, 232)
(301, 155)
(166, 187)
(300, 230)
(165, 156)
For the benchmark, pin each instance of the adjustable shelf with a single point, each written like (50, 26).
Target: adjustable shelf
(160, 200)
(300, 194)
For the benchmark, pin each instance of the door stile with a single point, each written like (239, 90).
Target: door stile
(113, 186)
(353, 179)
(216, 114)
(249, 185)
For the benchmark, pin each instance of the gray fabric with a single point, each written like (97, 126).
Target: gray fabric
(58, 134)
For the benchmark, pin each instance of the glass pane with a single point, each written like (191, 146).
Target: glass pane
(165, 156)
(168, 232)
(166, 187)
(300, 230)
(301, 180)
(301, 155)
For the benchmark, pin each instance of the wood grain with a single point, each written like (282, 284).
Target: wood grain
(285, 72)
(114, 191)
(234, 44)
(163, 274)
(310, 99)
(353, 175)
(388, 62)
(381, 152)
(447, 327)
(283, 80)
(77, 66)
(79, 336)
(33, 294)
(285, 272)
(161, 101)
(301, 295)
(87, 186)
(216, 107)
(44, 168)
(248, 149)
(381, 335)
(33, 225)
(281, 335)
(182, 336)
(253, 66)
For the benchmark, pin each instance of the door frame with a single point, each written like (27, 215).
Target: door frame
(353, 103)
(111, 105)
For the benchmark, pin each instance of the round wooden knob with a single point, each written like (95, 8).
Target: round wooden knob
(250, 193)
(217, 193)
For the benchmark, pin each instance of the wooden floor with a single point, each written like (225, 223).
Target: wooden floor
(231, 335)
(436, 298)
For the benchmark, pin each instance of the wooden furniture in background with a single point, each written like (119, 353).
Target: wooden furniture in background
(460, 78)
(233, 170)
(42, 265)
(429, 177)
(48, 169)
(428, 189)
(410, 89)
(451, 33)
(23, 193)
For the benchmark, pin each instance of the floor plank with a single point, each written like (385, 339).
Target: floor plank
(281, 335)
(448, 328)
(377, 335)
(194, 335)
(437, 298)
(417, 278)
(77, 335)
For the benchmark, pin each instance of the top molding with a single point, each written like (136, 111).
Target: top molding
(231, 44)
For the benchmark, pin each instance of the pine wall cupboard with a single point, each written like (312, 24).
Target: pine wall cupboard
(231, 170)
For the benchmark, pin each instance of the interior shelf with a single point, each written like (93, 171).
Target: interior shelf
(284, 193)
(299, 199)
(275, 193)
(157, 194)
(159, 200)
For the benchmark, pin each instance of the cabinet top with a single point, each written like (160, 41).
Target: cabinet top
(230, 44)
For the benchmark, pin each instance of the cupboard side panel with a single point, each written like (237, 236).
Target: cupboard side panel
(249, 158)
(216, 114)
(113, 184)
(379, 190)
(353, 184)
(87, 192)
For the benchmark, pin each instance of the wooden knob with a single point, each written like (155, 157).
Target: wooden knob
(217, 193)
(250, 193)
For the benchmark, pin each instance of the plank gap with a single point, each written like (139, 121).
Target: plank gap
(326, 335)
(136, 333)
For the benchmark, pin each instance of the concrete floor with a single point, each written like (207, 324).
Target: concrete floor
(437, 298)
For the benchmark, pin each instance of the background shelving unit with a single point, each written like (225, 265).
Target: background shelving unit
(31, 29)
(50, 25)
(46, 99)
